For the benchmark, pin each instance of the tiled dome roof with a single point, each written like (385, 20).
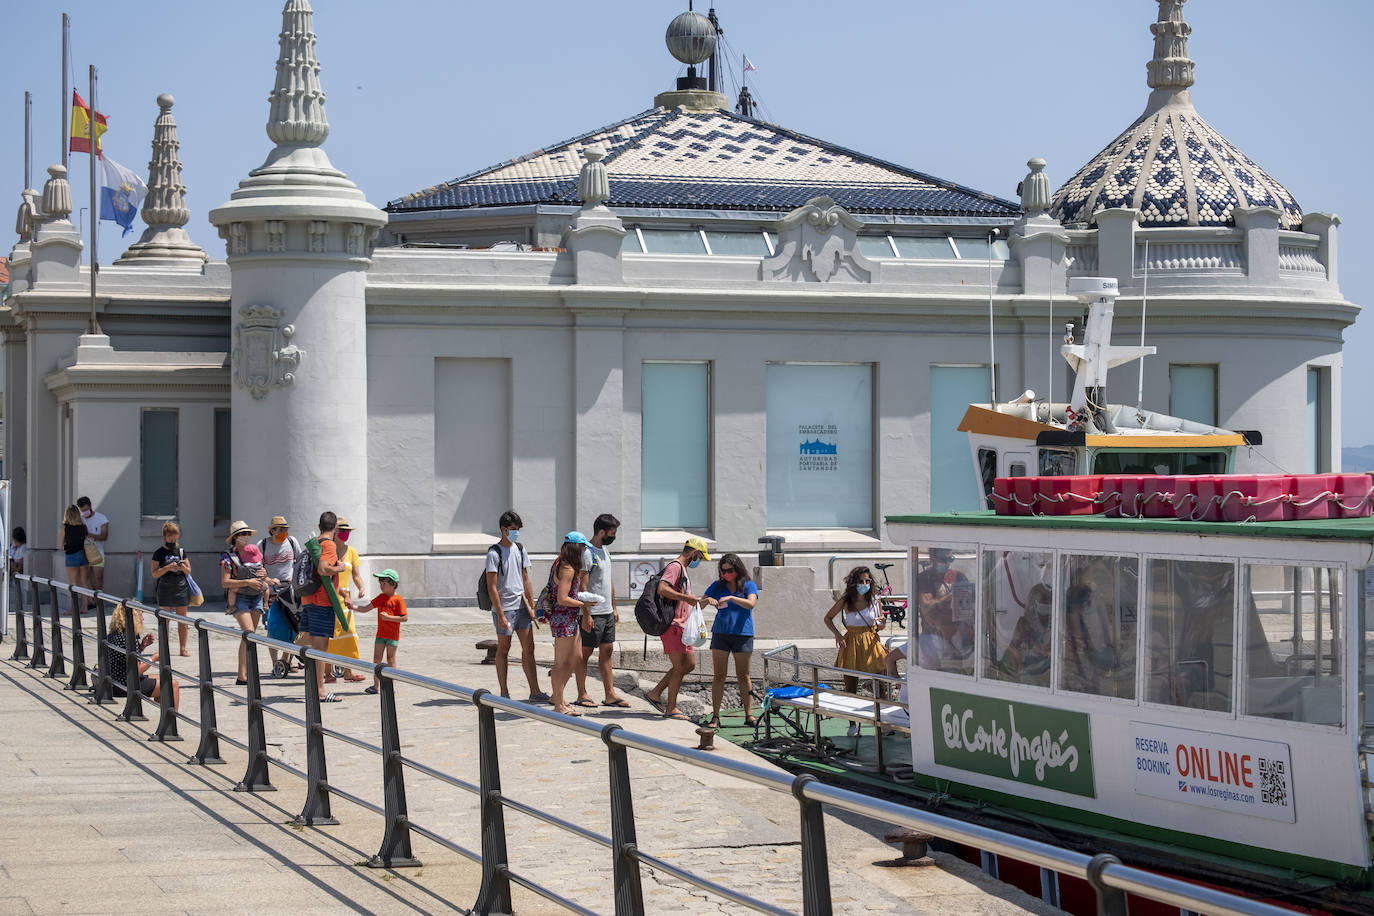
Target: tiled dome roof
(710, 159)
(1171, 165)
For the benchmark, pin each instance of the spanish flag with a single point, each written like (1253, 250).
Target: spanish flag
(81, 127)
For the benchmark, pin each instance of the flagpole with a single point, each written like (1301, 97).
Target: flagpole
(28, 139)
(94, 136)
(66, 99)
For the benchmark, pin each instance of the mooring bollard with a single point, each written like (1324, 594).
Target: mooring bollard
(167, 716)
(316, 810)
(208, 752)
(395, 851)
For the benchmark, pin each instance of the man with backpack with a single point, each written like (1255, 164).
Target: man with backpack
(321, 608)
(279, 551)
(510, 597)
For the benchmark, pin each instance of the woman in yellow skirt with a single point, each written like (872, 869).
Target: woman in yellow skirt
(859, 646)
(345, 641)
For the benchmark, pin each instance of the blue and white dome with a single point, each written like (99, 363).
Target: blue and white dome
(1171, 165)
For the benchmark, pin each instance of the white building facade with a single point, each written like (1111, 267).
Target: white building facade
(697, 321)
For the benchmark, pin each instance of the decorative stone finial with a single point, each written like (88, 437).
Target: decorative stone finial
(593, 184)
(1035, 190)
(57, 194)
(297, 116)
(1170, 69)
(164, 209)
(26, 220)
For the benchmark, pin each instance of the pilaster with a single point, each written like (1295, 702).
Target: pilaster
(1261, 228)
(1116, 243)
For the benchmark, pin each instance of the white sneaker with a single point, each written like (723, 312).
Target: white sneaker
(853, 729)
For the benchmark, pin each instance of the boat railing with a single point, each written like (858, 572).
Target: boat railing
(1110, 878)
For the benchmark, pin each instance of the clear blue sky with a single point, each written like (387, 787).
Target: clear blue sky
(420, 91)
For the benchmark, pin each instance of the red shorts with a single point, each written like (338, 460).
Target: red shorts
(672, 640)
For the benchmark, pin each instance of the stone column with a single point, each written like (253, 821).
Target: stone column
(1261, 228)
(599, 397)
(1116, 243)
(299, 236)
(1323, 225)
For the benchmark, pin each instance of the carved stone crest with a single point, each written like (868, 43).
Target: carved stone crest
(817, 242)
(264, 357)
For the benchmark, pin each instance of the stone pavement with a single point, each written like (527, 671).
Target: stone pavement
(85, 788)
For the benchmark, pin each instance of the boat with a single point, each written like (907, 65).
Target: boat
(1087, 435)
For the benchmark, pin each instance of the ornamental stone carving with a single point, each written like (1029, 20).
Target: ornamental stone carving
(319, 233)
(817, 242)
(238, 238)
(593, 184)
(276, 234)
(264, 357)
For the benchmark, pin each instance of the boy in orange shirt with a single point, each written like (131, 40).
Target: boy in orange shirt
(391, 611)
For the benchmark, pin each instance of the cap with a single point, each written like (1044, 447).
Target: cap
(239, 527)
(278, 521)
(576, 537)
(698, 543)
(343, 525)
(388, 574)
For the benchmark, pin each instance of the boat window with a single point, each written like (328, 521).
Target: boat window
(1098, 635)
(1149, 462)
(1057, 463)
(1017, 469)
(1293, 653)
(945, 598)
(1192, 633)
(987, 473)
(1018, 598)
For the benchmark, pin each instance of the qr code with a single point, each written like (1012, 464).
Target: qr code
(1273, 782)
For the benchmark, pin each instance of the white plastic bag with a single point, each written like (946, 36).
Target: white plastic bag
(694, 629)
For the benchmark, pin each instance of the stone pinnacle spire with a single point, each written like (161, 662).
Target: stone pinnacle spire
(297, 115)
(164, 209)
(1170, 70)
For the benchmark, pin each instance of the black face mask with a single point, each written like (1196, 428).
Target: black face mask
(170, 545)
(607, 540)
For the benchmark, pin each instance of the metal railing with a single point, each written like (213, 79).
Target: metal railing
(1109, 877)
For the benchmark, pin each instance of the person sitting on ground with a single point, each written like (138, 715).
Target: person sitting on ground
(675, 586)
(391, 613)
(120, 627)
(733, 595)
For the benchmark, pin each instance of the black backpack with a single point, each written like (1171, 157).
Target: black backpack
(305, 576)
(653, 612)
(483, 593)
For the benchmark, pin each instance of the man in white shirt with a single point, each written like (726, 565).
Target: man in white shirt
(601, 637)
(507, 573)
(98, 528)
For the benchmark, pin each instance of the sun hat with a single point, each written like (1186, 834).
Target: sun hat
(698, 543)
(278, 521)
(239, 527)
(388, 574)
(343, 525)
(576, 537)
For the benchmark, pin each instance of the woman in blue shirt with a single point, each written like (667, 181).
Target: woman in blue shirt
(733, 595)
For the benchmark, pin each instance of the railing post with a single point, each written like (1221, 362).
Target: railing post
(1110, 901)
(208, 752)
(78, 652)
(625, 877)
(40, 658)
(494, 896)
(21, 638)
(316, 810)
(103, 689)
(255, 777)
(395, 851)
(167, 714)
(133, 697)
(58, 666)
(815, 861)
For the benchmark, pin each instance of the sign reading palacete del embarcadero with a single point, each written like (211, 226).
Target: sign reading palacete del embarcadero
(1037, 745)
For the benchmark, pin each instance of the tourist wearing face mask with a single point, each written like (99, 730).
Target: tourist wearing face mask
(244, 580)
(170, 568)
(279, 550)
(345, 641)
(859, 646)
(600, 636)
(675, 587)
(734, 595)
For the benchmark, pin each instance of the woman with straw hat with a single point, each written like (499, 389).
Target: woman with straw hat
(245, 581)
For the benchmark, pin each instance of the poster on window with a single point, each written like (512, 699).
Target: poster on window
(820, 446)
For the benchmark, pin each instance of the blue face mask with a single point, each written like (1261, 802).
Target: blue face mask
(513, 534)
(694, 564)
(863, 588)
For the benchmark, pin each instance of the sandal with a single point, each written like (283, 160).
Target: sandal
(751, 722)
(372, 690)
(331, 698)
(355, 677)
(588, 703)
(618, 703)
(657, 704)
(241, 682)
(677, 715)
(569, 711)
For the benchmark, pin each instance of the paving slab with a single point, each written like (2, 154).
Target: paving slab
(249, 856)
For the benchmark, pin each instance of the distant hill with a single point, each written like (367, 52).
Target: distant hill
(1358, 458)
